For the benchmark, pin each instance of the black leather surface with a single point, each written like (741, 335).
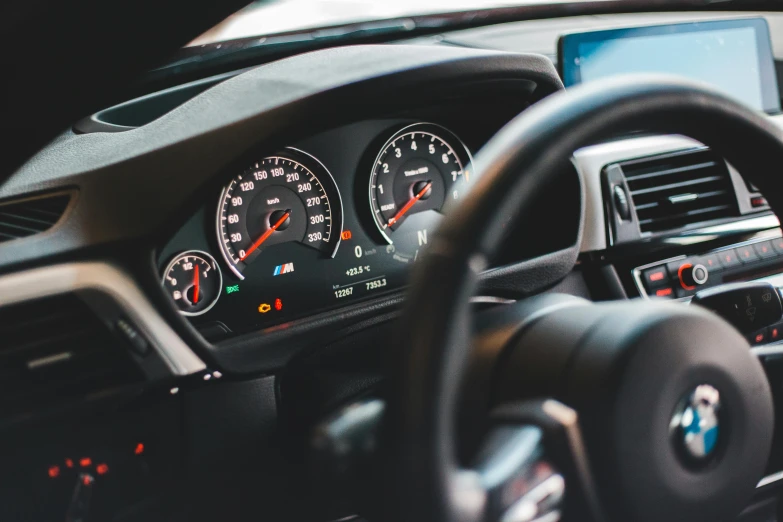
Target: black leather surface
(436, 326)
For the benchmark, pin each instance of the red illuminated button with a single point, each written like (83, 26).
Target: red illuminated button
(711, 262)
(728, 259)
(691, 276)
(85, 462)
(747, 254)
(655, 277)
(775, 332)
(759, 337)
(758, 201)
(665, 292)
(765, 249)
(102, 469)
(54, 471)
(777, 244)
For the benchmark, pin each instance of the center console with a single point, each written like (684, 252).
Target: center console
(682, 276)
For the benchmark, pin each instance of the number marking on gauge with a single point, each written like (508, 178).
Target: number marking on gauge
(288, 197)
(417, 171)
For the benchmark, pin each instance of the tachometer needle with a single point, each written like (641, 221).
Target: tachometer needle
(195, 285)
(409, 204)
(266, 235)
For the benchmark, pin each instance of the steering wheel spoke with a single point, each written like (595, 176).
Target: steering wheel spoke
(533, 451)
(518, 482)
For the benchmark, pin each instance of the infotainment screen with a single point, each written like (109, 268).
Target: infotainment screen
(735, 56)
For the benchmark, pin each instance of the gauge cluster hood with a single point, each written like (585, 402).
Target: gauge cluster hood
(162, 165)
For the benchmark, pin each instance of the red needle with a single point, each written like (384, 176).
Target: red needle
(195, 285)
(266, 235)
(409, 204)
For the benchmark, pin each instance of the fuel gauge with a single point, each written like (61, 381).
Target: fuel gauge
(194, 281)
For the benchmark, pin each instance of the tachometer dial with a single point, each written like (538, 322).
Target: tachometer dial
(194, 281)
(288, 197)
(418, 169)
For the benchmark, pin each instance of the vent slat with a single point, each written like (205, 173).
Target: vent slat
(24, 218)
(22, 230)
(55, 350)
(691, 213)
(679, 190)
(678, 170)
(679, 185)
(37, 218)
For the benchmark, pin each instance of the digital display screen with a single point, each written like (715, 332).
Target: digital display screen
(734, 56)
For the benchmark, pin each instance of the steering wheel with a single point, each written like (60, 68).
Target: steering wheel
(641, 410)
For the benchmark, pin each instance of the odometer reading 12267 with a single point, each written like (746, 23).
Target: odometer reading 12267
(288, 197)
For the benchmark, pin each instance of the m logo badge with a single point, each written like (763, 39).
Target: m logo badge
(287, 268)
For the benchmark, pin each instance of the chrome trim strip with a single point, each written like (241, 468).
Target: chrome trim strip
(767, 349)
(491, 299)
(71, 277)
(770, 479)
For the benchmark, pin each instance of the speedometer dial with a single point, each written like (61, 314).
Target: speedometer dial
(287, 197)
(418, 170)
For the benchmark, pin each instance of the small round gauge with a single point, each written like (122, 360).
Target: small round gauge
(194, 281)
(418, 170)
(287, 197)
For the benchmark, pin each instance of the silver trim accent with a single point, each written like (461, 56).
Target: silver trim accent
(72, 277)
(770, 479)
(491, 299)
(700, 280)
(590, 161)
(683, 198)
(195, 253)
(46, 361)
(219, 236)
(767, 349)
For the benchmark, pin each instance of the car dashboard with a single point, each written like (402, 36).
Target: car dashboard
(218, 232)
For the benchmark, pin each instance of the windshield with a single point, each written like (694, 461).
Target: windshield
(265, 17)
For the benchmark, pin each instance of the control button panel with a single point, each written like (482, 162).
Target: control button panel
(682, 277)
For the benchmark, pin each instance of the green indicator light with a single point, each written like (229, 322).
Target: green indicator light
(232, 289)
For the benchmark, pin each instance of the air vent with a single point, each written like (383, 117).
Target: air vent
(679, 190)
(56, 350)
(23, 218)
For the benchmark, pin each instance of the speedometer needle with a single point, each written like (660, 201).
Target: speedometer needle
(195, 285)
(409, 204)
(266, 235)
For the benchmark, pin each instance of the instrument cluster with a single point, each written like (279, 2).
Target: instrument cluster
(329, 221)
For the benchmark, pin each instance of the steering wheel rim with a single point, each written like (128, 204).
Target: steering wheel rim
(436, 325)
